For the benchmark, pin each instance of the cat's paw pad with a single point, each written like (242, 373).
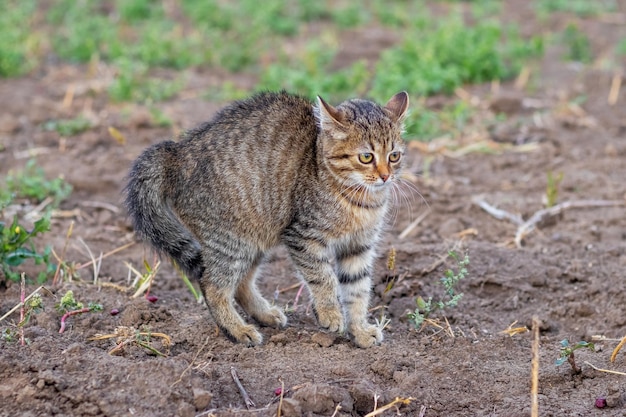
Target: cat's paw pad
(331, 319)
(246, 334)
(272, 317)
(367, 335)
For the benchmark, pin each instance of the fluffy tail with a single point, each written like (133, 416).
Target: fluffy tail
(152, 217)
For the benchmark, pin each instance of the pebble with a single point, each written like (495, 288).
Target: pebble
(323, 339)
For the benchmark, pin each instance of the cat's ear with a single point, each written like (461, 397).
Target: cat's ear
(397, 106)
(330, 119)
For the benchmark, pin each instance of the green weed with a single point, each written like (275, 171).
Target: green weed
(310, 75)
(133, 83)
(449, 281)
(567, 353)
(31, 183)
(17, 42)
(583, 8)
(552, 188)
(17, 247)
(68, 127)
(69, 306)
(439, 59)
(577, 44)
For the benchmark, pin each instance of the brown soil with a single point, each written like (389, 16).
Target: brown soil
(569, 272)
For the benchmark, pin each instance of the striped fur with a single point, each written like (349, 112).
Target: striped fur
(274, 170)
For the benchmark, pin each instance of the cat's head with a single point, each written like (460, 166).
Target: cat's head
(361, 141)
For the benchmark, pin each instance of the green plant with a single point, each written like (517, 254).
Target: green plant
(31, 183)
(439, 57)
(310, 74)
(17, 42)
(69, 306)
(16, 247)
(577, 44)
(552, 188)
(583, 8)
(449, 281)
(567, 353)
(68, 127)
(132, 83)
(32, 305)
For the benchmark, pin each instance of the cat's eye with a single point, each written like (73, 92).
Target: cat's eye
(394, 156)
(366, 158)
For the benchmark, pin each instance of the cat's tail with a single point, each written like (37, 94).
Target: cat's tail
(151, 215)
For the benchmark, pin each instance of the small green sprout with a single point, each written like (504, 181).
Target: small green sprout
(71, 307)
(449, 281)
(567, 353)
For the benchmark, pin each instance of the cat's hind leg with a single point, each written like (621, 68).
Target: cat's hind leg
(251, 300)
(224, 271)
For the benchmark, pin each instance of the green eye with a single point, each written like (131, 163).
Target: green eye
(366, 158)
(394, 156)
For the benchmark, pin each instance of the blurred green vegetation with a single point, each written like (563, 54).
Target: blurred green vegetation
(297, 45)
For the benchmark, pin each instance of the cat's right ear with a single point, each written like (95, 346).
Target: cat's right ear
(398, 105)
(330, 119)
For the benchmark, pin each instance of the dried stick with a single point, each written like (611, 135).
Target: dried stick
(526, 227)
(534, 374)
(282, 394)
(106, 255)
(392, 404)
(498, 213)
(608, 371)
(540, 215)
(22, 302)
(242, 390)
(180, 378)
(22, 310)
(616, 84)
(96, 263)
(67, 240)
(617, 348)
(413, 224)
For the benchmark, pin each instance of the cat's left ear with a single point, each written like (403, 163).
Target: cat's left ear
(397, 106)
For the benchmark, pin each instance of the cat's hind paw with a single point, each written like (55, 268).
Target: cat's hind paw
(367, 335)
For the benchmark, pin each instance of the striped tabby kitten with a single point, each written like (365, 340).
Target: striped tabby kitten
(275, 170)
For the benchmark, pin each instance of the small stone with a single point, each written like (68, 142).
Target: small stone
(323, 339)
(41, 384)
(279, 338)
(201, 398)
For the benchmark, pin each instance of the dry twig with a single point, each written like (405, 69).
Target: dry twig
(242, 390)
(23, 301)
(394, 403)
(534, 374)
(413, 224)
(608, 371)
(617, 348)
(526, 227)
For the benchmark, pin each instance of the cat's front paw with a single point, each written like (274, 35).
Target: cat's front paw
(367, 335)
(272, 317)
(246, 334)
(331, 319)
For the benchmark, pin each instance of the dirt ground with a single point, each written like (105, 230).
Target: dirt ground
(569, 273)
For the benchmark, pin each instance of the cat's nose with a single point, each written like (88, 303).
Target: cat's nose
(384, 177)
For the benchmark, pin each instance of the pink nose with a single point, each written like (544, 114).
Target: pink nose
(384, 177)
